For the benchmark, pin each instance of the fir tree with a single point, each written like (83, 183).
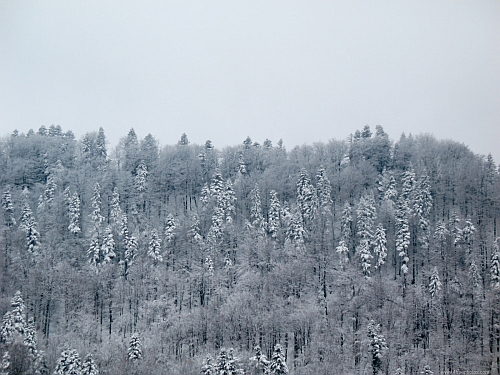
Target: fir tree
(194, 232)
(307, 199)
(343, 252)
(170, 227)
(96, 200)
(8, 208)
(256, 216)
(30, 338)
(259, 360)
(5, 364)
(324, 190)
(13, 322)
(346, 223)
(366, 215)
(273, 221)
(141, 174)
(427, 370)
(116, 211)
(295, 232)
(208, 367)
(100, 144)
(135, 348)
(74, 214)
(50, 189)
(89, 367)
(154, 248)
(108, 246)
(495, 266)
(227, 364)
(434, 284)
(277, 364)
(378, 346)
(68, 363)
(94, 251)
(380, 245)
(402, 233)
(28, 224)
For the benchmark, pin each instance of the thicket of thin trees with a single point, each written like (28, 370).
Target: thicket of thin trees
(364, 256)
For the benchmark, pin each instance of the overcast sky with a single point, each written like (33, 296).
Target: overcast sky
(303, 71)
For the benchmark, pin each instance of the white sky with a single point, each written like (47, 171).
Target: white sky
(304, 71)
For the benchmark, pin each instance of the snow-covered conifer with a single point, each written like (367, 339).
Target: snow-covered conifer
(378, 346)
(5, 364)
(194, 232)
(108, 246)
(324, 189)
(131, 250)
(74, 214)
(295, 232)
(466, 235)
(154, 248)
(259, 360)
(30, 338)
(116, 211)
(227, 364)
(277, 364)
(170, 227)
(273, 222)
(346, 222)
(307, 199)
(256, 216)
(134, 348)
(89, 366)
(8, 208)
(242, 168)
(474, 277)
(13, 322)
(427, 370)
(402, 233)
(366, 212)
(208, 367)
(68, 363)
(94, 251)
(409, 182)
(100, 144)
(50, 189)
(141, 174)
(96, 201)
(495, 266)
(380, 245)
(343, 250)
(434, 284)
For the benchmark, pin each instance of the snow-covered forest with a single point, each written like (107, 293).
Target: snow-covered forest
(357, 256)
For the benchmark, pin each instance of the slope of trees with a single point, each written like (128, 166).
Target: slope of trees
(353, 257)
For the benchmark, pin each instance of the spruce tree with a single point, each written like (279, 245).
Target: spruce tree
(154, 248)
(89, 367)
(380, 245)
(8, 208)
(68, 363)
(324, 190)
(13, 322)
(74, 214)
(277, 364)
(307, 199)
(495, 266)
(208, 367)
(273, 221)
(141, 174)
(227, 364)
(108, 246)
(259, 360)
(96, 201)
(116, 211)
(366, 212)
(134, 348)
(402, 233)
(170, 228)
(434, 284)
(256, 216)
(378, 346)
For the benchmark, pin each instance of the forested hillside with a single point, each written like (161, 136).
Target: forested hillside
(362, 256)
